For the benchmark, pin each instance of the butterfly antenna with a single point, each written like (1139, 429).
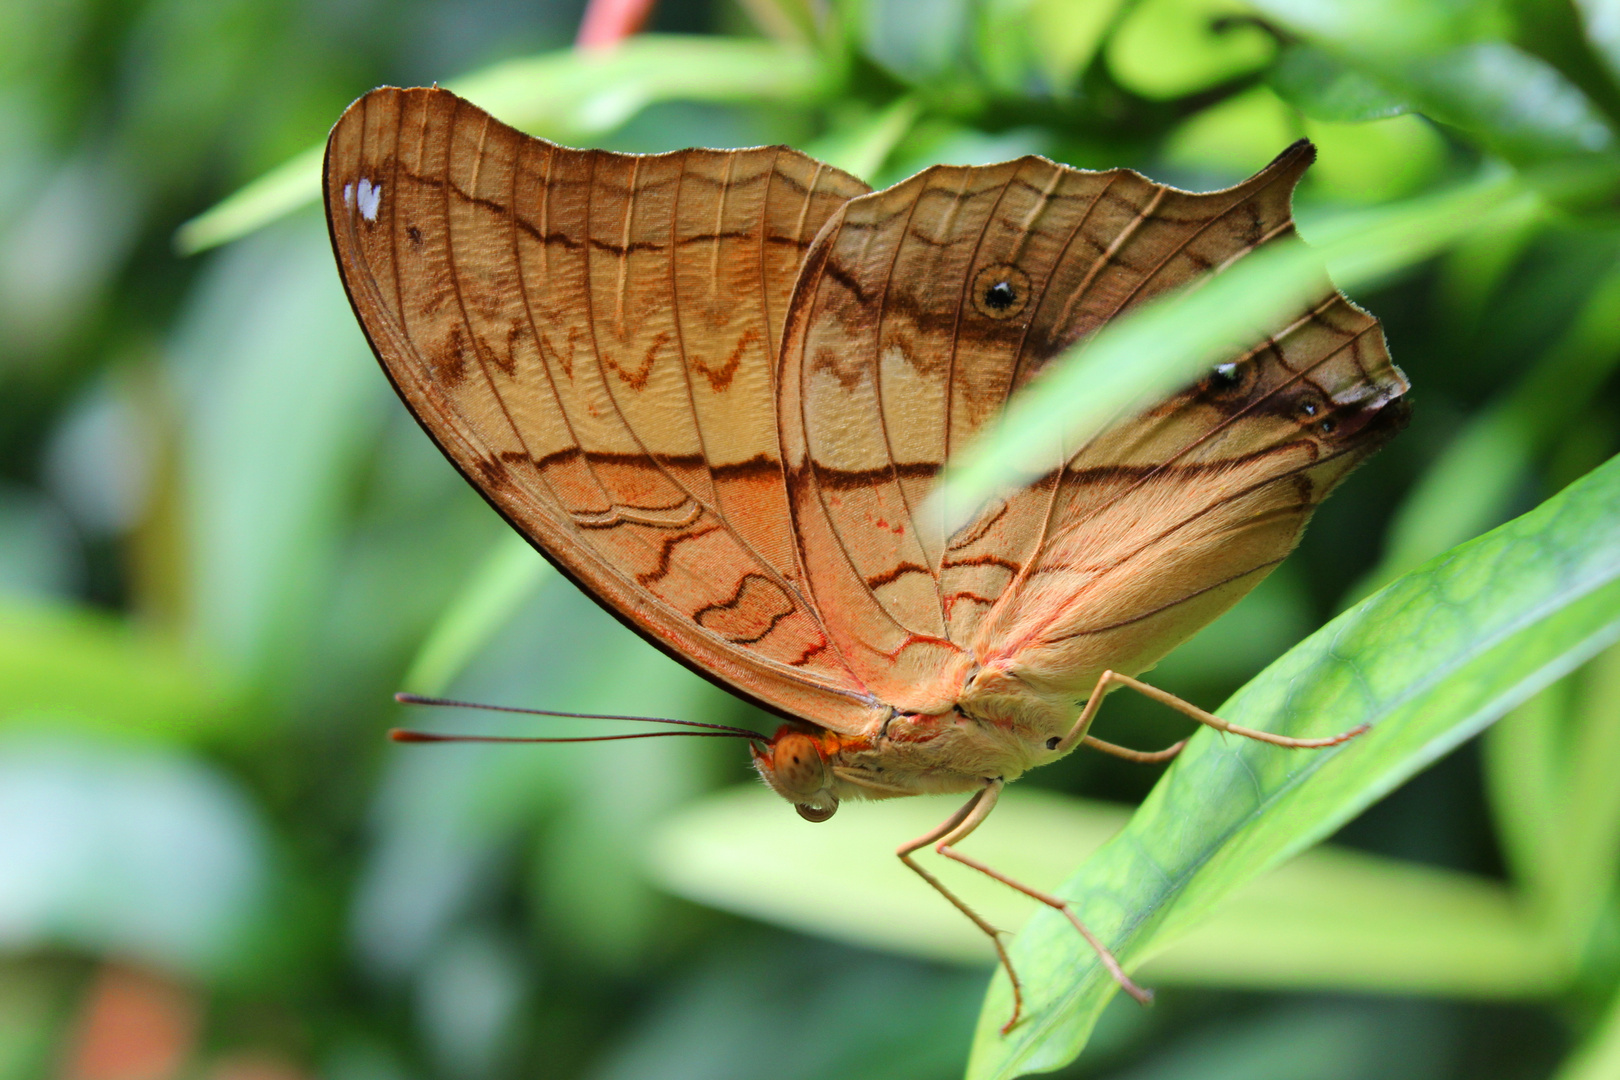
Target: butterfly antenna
(711, 731)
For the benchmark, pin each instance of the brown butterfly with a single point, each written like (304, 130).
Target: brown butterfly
(716, 387)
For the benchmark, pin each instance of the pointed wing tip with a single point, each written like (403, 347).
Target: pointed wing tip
(1290, 164)
(1300, 153)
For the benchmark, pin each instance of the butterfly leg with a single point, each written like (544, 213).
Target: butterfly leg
(1112, 679)
(1141, 757)
(938, 835)
(963, 822)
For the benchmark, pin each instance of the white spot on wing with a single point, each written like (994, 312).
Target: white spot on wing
(348, 194)
(368, 197)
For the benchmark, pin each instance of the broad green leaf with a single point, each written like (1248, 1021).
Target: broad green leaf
(1517, 103)
(1148, 353)
(1166, 48)
(564, 96)
(1323, 87)
(1374, 26)
(508, 577)
(1447, 60)
(1330, 920)
(92, 670)
(1428, 662)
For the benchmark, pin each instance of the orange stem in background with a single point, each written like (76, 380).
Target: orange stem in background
(608, 22)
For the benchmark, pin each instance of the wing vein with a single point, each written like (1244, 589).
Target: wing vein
(1211, 433)
(883, 419)
(455, 275)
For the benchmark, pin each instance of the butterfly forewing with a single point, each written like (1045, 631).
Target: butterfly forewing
(589, 336)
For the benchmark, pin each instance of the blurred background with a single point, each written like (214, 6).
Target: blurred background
(224, 545)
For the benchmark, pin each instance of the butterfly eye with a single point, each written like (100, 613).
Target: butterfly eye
(1000, 291)
(1052, 743)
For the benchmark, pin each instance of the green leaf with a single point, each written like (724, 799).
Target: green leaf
(744, 850)
(564, 96)
(1517, 103)
(1166, 48)
(1330, 920)
(1427, 663)
(91, 670)
(1323, 87)
(1447, 60)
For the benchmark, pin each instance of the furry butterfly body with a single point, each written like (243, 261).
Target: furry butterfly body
(717, 389)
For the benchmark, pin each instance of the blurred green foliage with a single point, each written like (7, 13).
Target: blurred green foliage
(223, 545)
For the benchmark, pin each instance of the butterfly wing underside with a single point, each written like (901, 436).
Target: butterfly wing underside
(922, 307)
(591, 338)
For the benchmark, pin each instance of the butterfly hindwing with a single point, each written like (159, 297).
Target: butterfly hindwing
(924, 306)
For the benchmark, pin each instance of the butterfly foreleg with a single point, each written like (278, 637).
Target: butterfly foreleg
(937, 835)
(963, 822)
(1109, 680)
(978, 812)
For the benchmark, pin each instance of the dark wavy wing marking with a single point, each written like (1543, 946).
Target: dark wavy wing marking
(589, 337)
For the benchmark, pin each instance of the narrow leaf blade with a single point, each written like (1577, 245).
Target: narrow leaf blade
(1428, 662)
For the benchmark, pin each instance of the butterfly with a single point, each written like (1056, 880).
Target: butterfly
(716, 388)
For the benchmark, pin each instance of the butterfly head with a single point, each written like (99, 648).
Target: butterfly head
(794, 765)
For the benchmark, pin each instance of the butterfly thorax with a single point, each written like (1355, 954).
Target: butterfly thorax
(999, 727)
